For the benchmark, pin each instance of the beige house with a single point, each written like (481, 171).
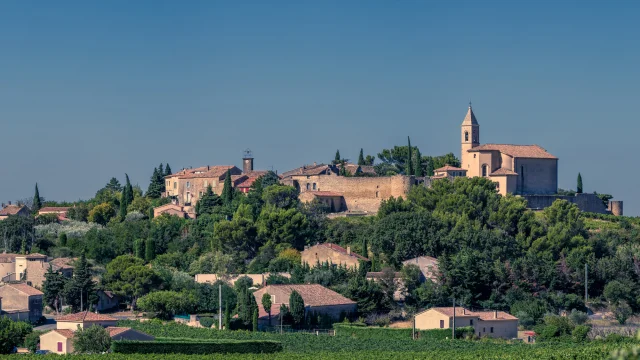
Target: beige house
(449, 172)
(331, 253)
(9, 210)
(317, 298)
(428, 267)
(19, 300)
(258, 279)
(175, 210)
(60, 341)
(496, 324)
(84, 319)
(516, 169)
(30, 268)
(61, 212)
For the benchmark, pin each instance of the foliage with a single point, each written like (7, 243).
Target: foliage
(208, 202)
(37, 200)
(296, 307)
(92, 340)
(206, 321)
(190, 346)
(227, 190)
(53, 288)
(12, 333)
(165, 304)
(579, 184)
(101, 214)
(32, 341)
(578, 317)
(79, 292)
(622, 311)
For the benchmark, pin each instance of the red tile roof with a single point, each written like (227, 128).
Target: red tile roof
(520, 151)
(449, 168)
(25, 289)
(85, 316)
(114, 330)
(503, 172)
(342, 250)
(11, 210)
(65, 332)
(312, 294)
(202, 172)
(63, 263)
(482, 315)
(309, 170)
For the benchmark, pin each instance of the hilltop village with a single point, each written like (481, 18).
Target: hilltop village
(399, 250)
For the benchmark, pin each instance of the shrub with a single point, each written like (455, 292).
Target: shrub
(613, 337)
(187, 346)
(32, 340)
(207, 322)
(578, 317)
(580, 332)
(622, 312)
(92, 340)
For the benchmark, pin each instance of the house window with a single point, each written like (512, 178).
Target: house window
(466, 136)
(484, 170)
(497, 186)
(188, 184)
(175, 184)
(200, 193)
(377, 194)
(308, 186)
(484, 329)
(474, 156)
(471, 322)
(206, 183)
(59, 346)
(314, 186)
(441, 324)
(273, 299)
(491, 329)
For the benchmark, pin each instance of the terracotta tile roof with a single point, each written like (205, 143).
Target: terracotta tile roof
(326, 193)
(312, 294)
(309, 170)
(63, 263)
(114, 330)
(25, 289)
(521, 151)
(367, 169)
(65, 332)
(449, 168)
(11, 210)
(50, 209)
(482, 315)
(342, 250)
(202, 172)
(503, 172)
(85, 316)
(251, 178)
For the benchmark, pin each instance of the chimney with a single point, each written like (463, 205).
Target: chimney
(207, 167)
(3, 205)
(9, 202)
(464, 311)
(247, 162)
(348, 250)
(495, 314)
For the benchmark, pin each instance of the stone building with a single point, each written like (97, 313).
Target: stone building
(495, 324)
(317, 299)
(516, 169)
(61, 212)
(84, 320)
(345, 193)
(8, 210)
(21, 299)
(332, 254)
(30, 268)
(186, 186)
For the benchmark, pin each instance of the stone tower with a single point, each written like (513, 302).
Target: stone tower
(247, 162)
(470, 135)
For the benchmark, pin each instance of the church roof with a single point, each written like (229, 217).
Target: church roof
(519, 151)
(470, 119)
(503, 172)
(448, 167)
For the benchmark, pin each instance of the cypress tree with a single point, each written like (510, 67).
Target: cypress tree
(53, 287)
(579, 187)
(254, 319)
(361, 158)
(151, 213)
(417, 171)
(160, 180)
(129, 190)
(37, 204)
(227, 190)
(167, 170)
(296, 307)
(154, 191)
(62, 240)
(409, 169)
(149, 249)
(227, 318)
(337, 158)
(139, 248)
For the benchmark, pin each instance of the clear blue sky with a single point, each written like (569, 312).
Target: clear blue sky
(94, 89)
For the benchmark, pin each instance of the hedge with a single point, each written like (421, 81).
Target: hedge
(185, 346)
(398, 334)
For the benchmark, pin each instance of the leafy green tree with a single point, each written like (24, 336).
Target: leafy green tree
(165, 304)
(92, 340)
(79, 292)
(622, 312)
(238, 237)
(266, 305)
(208, 202)
(213, 263)
(296, 306)
(32, 340)
(369, 160)
(282, 226)
(16, 231)
(140, 204)
(139, 281)
(37, 200)
(435, 162)
(579, 186)
(281, 196)
(361, 157)
(101, 214)
(113, 185)
(154, 191)
(149, 249)
(139, 246)
(62, 239)
(227, 190)
(11, 335)
(53, 288)
(394, 161)
(254, 319)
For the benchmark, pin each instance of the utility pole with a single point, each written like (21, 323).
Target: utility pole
(453, 328)
(413, 334)
(586, 295)
(219, 306)
(281, 316)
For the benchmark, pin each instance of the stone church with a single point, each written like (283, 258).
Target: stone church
(516, 169)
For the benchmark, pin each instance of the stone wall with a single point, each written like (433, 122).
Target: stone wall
(321, 254)
(585, 202)
(360, 193)
(615, 207)
(536, 176)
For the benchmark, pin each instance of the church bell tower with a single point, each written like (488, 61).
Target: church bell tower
(470, 135)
